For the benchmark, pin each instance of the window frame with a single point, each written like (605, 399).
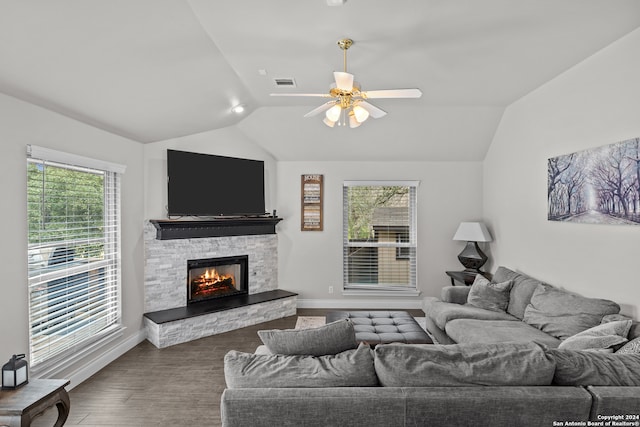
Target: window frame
(108, 269)
(401, 248)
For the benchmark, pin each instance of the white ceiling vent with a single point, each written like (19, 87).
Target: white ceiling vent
(285, 82)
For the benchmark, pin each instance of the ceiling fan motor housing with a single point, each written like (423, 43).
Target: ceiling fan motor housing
(349, 99)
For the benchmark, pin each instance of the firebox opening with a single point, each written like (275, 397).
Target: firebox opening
(216, 278)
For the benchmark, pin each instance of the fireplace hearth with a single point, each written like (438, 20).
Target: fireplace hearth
(215, 278)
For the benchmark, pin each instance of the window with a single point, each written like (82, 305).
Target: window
(379, 235)
(73, 210)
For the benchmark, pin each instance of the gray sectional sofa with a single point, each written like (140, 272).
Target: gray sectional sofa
(506, 384)
(406, 406)
(506, 369)
(535, 311)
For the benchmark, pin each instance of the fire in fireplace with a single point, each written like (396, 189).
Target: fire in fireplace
(216, 278)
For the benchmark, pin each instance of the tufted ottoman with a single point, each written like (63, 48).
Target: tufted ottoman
(376, 327)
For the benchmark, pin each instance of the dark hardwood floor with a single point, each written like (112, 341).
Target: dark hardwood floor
(175, 386)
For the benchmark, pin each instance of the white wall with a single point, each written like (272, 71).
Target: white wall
(21, 124)
(593, 104)
(311, 261)
(224, 142)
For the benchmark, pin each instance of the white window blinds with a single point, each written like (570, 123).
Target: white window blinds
(73, 209)
(379, 235)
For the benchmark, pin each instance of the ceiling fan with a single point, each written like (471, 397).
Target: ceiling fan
(348, 102)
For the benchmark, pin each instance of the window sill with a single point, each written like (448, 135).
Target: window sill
(55, 365)
(381, 292)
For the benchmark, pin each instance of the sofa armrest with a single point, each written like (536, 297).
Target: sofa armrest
(614, 400)
(455, 294)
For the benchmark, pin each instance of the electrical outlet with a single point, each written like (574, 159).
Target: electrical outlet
(330, 289)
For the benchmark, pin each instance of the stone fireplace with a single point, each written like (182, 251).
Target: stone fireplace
(169, 317)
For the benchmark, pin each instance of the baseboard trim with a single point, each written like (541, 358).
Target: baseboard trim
(360, 303)
(104, 359)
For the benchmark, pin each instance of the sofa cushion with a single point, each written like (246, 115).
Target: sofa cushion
(634, 332)
(562, 314)
(605, 335)
(521, 291)
(583, 368)
(308, 407)
(443, 312)
(496, 331)
(515, 406)
(262, 349)
(489, 295)
(351, 368)
(507, 364)
(332, 338)
(614, 318)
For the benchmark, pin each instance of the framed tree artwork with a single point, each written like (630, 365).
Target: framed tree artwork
(311, 216)
(596, 186)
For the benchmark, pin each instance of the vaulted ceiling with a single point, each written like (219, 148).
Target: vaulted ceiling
(153, 70)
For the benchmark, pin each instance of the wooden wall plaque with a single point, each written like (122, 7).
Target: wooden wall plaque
(311, 202)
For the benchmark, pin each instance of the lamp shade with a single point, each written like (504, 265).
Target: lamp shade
(472, 232)
(333, 113)
(353, 121)
(329, 122)
(360, 113)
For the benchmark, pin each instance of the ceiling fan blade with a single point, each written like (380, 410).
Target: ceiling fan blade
(392, 93)
(320, 109)
(321, 95)
(374, 111)
(344, 81)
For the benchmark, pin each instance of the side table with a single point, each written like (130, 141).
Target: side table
(19, 407)
(464, 277)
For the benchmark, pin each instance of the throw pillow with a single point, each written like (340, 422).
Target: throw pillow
(521, 292)
(584, 368)
(489, 296)
(351, 368)
(599, 337)
(614, 318)
(332, 338)
(500, 364)
(562, 314)
(632, 347)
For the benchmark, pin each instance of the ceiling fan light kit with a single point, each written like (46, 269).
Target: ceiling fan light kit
(348, 103)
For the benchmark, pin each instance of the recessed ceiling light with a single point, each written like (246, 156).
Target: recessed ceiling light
(262, 72)
(238, 109)
(335, 2)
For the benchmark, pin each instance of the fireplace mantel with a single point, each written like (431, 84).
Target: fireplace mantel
(167, 229)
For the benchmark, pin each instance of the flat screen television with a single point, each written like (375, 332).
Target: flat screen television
(210, 185)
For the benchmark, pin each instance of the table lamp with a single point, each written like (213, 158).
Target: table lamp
(471, 257)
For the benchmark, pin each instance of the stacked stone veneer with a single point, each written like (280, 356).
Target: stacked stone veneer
(165, 284)
(171, 333)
